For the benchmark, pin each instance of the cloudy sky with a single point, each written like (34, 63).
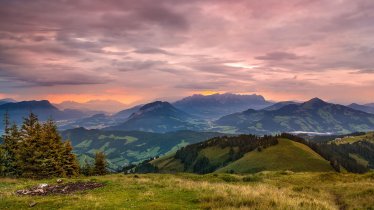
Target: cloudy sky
(141, 50)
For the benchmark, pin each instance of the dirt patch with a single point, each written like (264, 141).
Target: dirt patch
(68, 188)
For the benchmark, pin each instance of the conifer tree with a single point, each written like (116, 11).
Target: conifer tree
(87, 169)
(30, 156)
(9, 149)
(51, 161)
(100, 164)
(70, 164)
(36, 151)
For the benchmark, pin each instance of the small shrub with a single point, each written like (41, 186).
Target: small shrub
(229, 178)
(231, 171)
(251, 178)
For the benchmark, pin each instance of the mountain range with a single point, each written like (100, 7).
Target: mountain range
(314, 115)
(365, 108)
(7, 100)
(109, 106)
(43, 109)
(218, 105)
(159, 117)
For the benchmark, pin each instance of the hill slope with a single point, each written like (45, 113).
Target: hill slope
(242, 154)
(314, 115)
(279, 105)
(286, 155)
(124, 147)
(364, 108)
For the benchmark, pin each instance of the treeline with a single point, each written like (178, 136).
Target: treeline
(338, 155)
(35, 150)
(327, 138)
(143, 167)
(239, 145)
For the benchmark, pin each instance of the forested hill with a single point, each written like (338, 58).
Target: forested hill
(250, 154)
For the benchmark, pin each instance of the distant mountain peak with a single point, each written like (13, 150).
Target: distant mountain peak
(161, 107)
(316, 100)
(30, 104)
(155, 105)
(8, 99)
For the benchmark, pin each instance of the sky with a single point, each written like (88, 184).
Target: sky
(135, 51)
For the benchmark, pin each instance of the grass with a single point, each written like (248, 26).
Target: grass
(216, 154)
(359, 159)
(265, 190)
(286, 155)
(351, 139)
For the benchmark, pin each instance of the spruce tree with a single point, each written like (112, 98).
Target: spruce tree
(87, 169)
(36, 151)
(51, 162)
(70, 164)
(100, 164)
(9, 149)
(30, 155)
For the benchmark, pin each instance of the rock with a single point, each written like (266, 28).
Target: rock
(40, 190)
(59, 181)
(32, 204)
(42, 185)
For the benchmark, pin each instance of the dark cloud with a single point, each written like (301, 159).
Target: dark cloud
(203, 85)
(279, 56)
(137, 65)
(151, 50)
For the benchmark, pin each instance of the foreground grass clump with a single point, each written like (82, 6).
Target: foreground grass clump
(265, 190)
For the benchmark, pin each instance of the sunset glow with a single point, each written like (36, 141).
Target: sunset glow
(140, 51)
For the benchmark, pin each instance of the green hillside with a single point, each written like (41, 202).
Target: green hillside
(369, 136)
(126, 147)
(286, 155)
(242, 154)
(168, 164)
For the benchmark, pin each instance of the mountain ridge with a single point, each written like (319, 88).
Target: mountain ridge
(157, 116)
(217, 105)
(313, 115)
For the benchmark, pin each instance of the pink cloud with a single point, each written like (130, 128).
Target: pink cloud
(173, 48)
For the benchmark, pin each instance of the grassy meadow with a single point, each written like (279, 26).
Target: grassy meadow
(286, 155)
(264, 190)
